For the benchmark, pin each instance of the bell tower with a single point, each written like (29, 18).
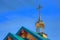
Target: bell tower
(40, 24)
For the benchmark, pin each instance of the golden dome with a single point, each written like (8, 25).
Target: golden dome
(40, 24)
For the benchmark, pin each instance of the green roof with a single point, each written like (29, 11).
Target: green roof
(32, 33)
(41, 36)
(18, 37)
(15, 37)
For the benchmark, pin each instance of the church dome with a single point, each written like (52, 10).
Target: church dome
(40, 24)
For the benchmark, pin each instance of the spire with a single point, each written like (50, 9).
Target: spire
(39, 23)
(39, 8)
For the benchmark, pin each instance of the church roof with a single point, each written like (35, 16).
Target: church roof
(32, 33)
(15, 37)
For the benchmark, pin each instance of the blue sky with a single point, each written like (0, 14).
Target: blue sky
(11, 19)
